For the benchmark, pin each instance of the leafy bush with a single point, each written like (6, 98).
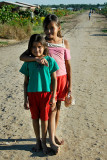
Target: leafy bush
(41, 12)
(20, 22)
(37, 20)
(63, 12)
(25, 14)
(6, 14)
(102, 11)
(59, 12)
(14, 26)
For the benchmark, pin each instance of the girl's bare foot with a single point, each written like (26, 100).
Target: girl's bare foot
(37, 147)
(44, 147)
(59, 142)
(55, 148)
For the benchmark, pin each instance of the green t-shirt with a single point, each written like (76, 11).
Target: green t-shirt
(39, 75)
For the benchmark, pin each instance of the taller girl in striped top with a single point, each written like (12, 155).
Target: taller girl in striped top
(58, 49)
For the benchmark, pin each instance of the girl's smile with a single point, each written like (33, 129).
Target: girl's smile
(37, 49)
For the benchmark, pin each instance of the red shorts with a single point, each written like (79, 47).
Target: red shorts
(39, 105)
(62, 87)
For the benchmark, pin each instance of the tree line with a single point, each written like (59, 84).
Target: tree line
(75, 6)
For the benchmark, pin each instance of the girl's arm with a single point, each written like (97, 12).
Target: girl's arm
(69, 74)
(26, 104)
(68, 68)
(54, 88)
(27, 58)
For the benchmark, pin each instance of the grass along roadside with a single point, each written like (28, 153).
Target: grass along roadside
(104, 30)
(11, 34)
(3, 43)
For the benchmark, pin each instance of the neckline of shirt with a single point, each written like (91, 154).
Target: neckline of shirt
(55, 45)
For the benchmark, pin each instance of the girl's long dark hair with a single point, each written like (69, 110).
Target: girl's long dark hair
(52, 18)
(39, 39)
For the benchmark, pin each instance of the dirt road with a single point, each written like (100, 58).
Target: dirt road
(82, 126)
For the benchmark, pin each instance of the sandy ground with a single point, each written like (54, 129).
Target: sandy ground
(82, 126)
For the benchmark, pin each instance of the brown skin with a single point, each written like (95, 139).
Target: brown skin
(68, 68)
(26, 103)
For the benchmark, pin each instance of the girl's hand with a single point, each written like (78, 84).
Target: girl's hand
(52, 104)
(69, 92)
(26, 105)
(43, 61)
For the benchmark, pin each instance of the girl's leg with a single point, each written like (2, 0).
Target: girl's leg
(58, 106)
(37, 133)
(44, 126)
(53, 145)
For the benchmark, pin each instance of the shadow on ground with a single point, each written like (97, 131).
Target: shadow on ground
(98, 35)
(24, 147)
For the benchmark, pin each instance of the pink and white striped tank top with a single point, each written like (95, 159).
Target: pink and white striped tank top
(60, 54)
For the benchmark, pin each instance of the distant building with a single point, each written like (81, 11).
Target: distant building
(53, 8)
(19, 5)
(101, 7)
(32, 7)
(70, 8)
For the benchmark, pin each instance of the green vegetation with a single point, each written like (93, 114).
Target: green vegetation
(20, 25)
(104, 30)
(37, 29)
(75, 7)
(42, 12)
(102, 11)
(6, 14)
(3, 43)
(13, 25)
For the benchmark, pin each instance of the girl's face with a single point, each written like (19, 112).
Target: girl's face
(37, 49)
(51, 30)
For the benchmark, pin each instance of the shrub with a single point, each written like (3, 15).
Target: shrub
(63, 12)
(103, 11)
(59, 12)
(25, 14)
(6, 14)
(41, 12)
(37, 20)
(20, 22)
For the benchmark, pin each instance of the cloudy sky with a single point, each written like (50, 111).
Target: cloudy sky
(46, 2)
